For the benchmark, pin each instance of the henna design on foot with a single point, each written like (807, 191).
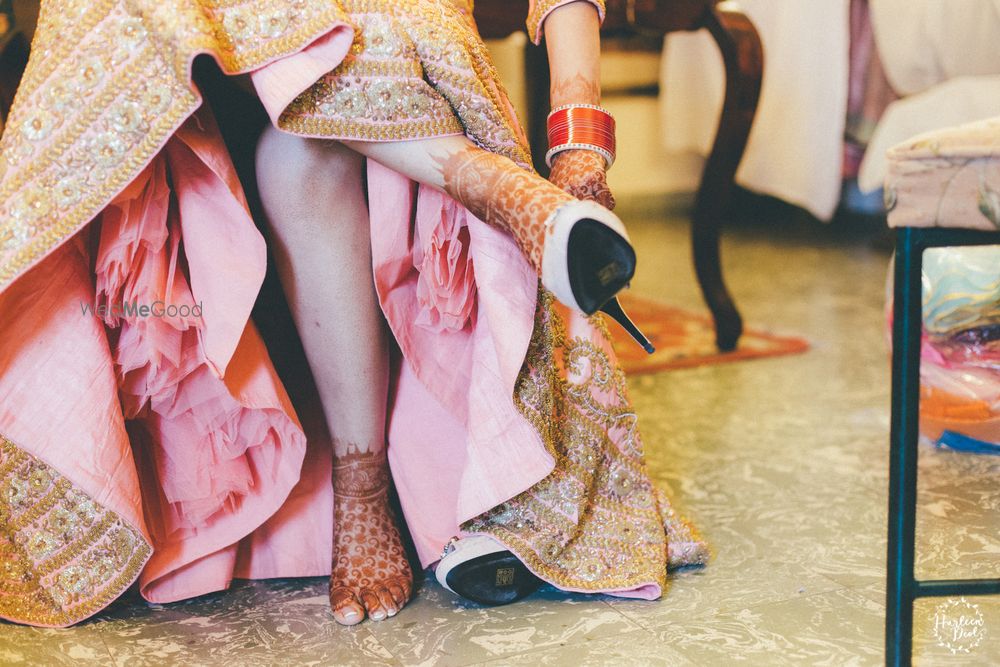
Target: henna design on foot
(371, 575)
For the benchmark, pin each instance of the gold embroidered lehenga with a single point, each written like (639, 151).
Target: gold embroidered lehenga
(509, 417)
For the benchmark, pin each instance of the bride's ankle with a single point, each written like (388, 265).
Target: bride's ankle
(370, 574)
(360, 474)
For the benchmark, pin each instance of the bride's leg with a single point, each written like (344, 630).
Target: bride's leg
(313, 196)
(494, 188)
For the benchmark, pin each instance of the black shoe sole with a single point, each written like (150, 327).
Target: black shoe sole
(601, 263)
(493, 579)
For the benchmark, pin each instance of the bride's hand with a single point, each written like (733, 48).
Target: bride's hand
(582, 173)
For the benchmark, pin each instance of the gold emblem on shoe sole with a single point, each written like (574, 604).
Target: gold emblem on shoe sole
(609, 273)
(505, 577)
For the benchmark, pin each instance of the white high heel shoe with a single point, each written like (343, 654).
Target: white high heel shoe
(587, 259)
(481, 569)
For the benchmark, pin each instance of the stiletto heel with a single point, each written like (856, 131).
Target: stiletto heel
(614, 309)
(587, 260)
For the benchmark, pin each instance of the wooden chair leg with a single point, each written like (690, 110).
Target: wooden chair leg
(744, 60)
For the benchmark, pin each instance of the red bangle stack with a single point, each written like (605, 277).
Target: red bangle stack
(581, 126)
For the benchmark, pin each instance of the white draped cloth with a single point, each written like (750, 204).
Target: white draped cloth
(795, 150)
(940, 56)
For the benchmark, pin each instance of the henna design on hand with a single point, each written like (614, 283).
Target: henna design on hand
(502, 194)
(578, 89)
(582, 174)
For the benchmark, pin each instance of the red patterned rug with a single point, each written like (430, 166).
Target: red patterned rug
(683, 339)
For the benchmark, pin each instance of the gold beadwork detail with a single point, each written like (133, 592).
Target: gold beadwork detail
(75, 573)
(69, 31)
(417, 69)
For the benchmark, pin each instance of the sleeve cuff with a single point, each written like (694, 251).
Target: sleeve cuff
(540, 10)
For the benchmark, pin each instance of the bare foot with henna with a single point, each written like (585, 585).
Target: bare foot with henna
(371, 576)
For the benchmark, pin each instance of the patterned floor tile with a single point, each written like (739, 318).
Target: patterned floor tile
(282, 622)
(838, 628)
(439, 629)
(80, 645)
(951, 632)
(633, 649)
(956, 632)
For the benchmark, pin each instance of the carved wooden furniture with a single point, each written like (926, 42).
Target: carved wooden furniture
(743, 57)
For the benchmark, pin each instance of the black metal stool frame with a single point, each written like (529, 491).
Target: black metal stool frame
(902, 588)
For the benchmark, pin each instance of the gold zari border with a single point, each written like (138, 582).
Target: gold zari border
(175, 34)
(80, 568)
(576, 528)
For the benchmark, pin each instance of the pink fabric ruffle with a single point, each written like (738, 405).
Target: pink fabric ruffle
(217, 443)
(137, 264)
(469, 372)
(201, 436)
(446, 282)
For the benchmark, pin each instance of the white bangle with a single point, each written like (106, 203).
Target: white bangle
(609, 158)
(581, 106)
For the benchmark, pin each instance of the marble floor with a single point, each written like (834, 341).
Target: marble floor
(781, 462)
